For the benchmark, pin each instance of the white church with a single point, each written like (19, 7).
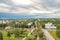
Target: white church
(50, 26)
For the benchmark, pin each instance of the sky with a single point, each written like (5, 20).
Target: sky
(29, 8)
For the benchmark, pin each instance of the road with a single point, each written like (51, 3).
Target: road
(47, 35)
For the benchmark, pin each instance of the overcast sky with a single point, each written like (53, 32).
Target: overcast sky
(36, 8)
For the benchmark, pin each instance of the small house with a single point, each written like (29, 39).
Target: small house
(50, 26)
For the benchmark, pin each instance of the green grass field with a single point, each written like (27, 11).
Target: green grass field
(5, 37)
(53, 33)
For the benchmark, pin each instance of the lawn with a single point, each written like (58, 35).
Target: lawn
(53, 33)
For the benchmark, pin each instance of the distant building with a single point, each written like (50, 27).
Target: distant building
(50, 26)
(4, 21)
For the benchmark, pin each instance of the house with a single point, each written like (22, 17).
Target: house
(50, 26)
(29, 23)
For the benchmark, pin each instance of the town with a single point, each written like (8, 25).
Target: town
(30, 29)
(29, 19)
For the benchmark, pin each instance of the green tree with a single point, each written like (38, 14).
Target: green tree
(12, 37)
(9, 34)
(39, 30)
(16, 32)
(1, 36)
(58, 31)
(31, 37)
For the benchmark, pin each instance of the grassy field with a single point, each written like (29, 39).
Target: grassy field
(5, 37)
(53, 33)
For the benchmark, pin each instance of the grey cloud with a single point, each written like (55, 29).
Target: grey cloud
(8, 2)
(46, 4)
(51, 3)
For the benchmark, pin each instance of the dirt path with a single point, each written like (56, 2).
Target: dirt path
(47, 35)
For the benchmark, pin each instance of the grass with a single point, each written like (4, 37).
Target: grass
(5, 37)
(53, 33)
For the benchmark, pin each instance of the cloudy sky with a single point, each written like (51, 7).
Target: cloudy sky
(30, 8)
